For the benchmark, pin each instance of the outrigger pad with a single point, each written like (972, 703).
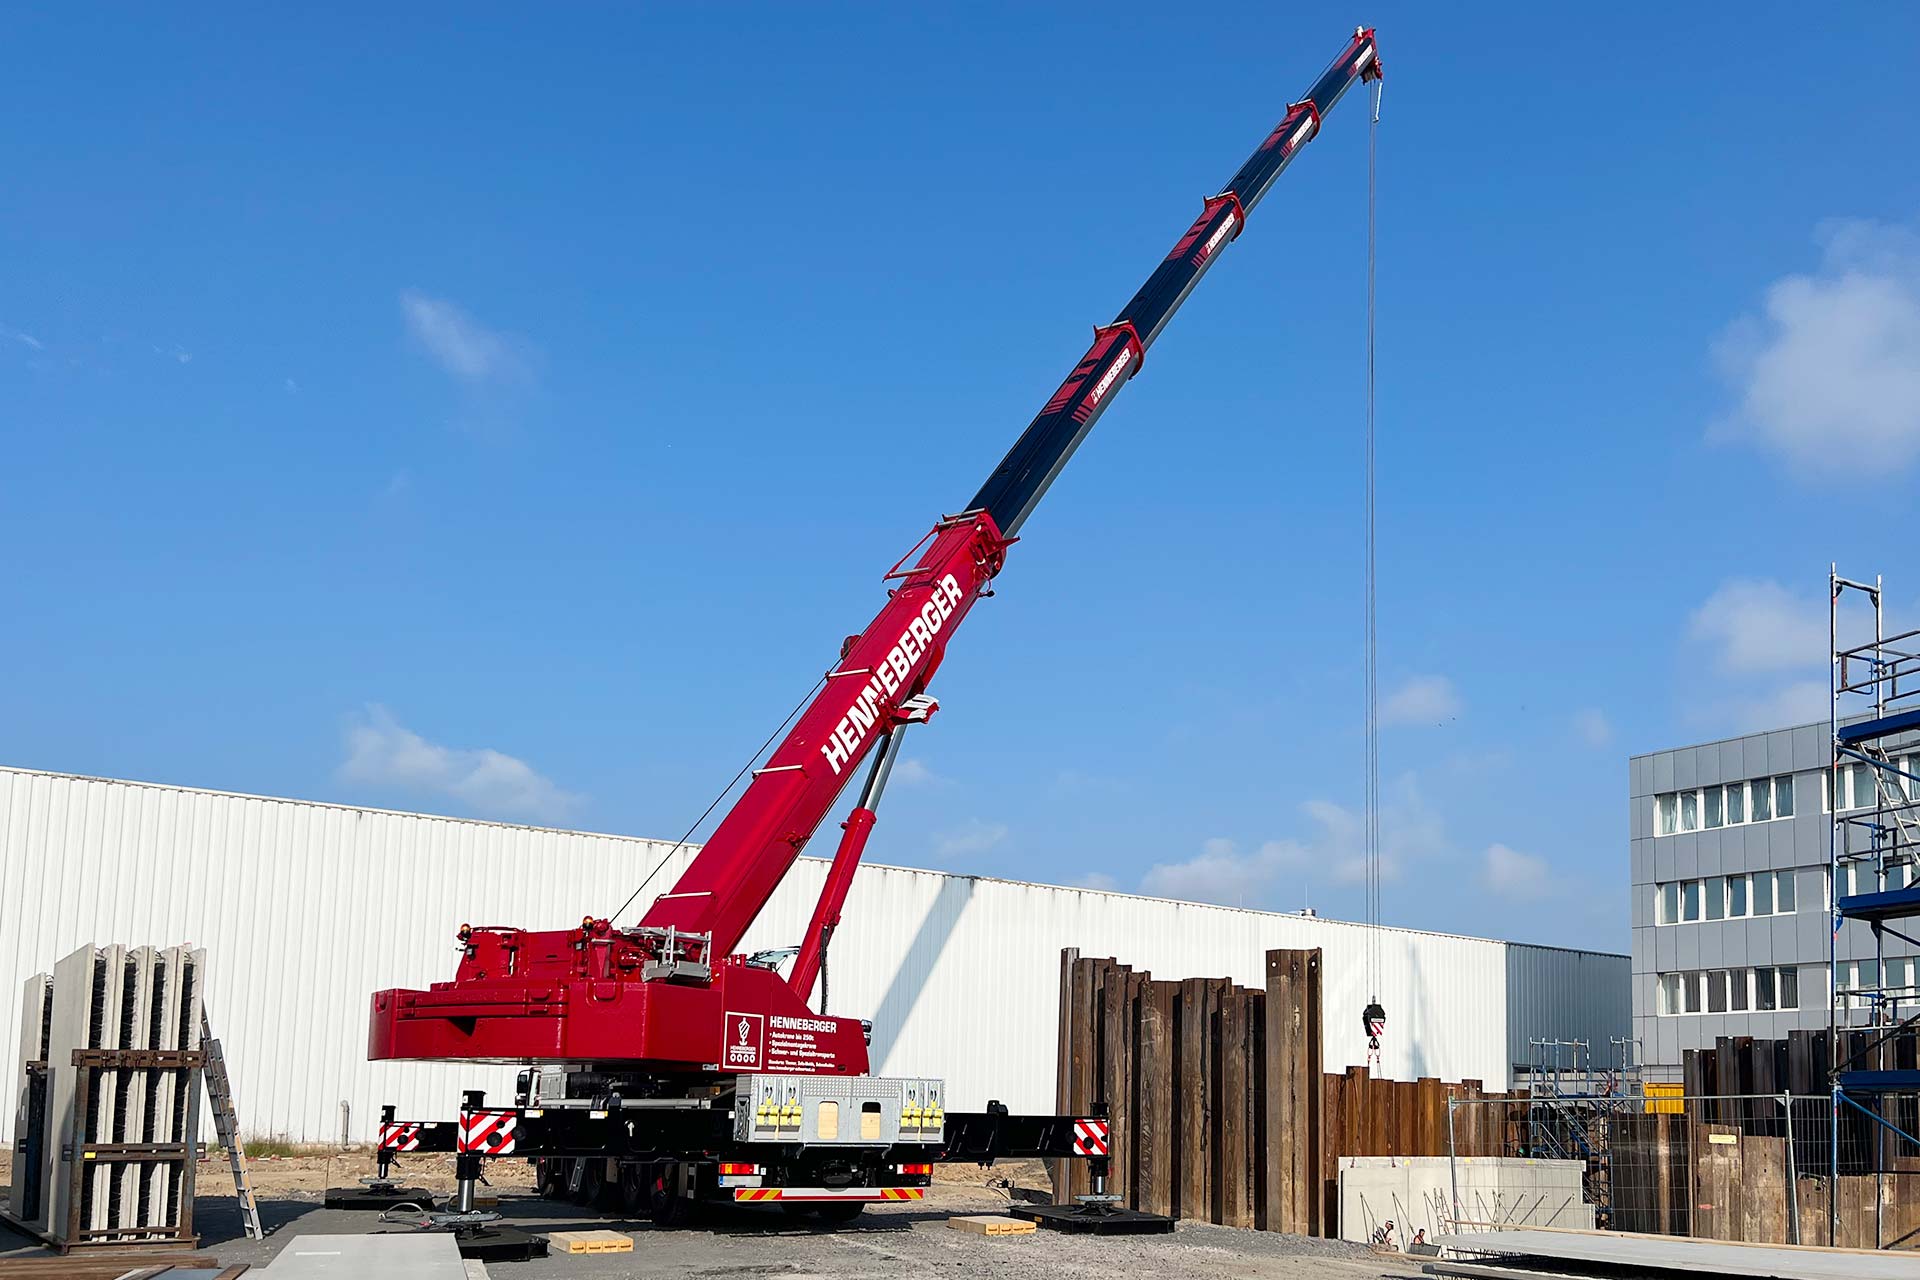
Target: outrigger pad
(1093, 1221)
(499, 1244)
(379, 1198)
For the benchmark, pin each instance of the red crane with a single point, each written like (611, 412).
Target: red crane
(669, 998)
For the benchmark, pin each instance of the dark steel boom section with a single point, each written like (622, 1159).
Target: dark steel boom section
(1017, 485)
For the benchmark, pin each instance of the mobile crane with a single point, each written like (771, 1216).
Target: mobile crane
(661, 1058)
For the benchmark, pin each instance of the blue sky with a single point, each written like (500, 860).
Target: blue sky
(502, 413)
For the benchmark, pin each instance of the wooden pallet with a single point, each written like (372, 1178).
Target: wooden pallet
(589, 1242)
(132, 1266)
(991, 1224)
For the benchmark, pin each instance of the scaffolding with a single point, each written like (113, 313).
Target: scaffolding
(1570, 1099)
(1873, 797)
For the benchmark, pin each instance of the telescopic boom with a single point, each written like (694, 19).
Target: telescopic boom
(870, 694)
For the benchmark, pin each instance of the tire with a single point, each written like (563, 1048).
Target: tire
(839, 1214)
(551, 1177)
(669, 1209)
(593, 1183)
(636, 1189)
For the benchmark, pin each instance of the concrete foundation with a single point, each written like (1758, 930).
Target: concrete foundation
(1414, 1194)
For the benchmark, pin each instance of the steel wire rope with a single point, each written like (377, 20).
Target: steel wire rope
(760, 751)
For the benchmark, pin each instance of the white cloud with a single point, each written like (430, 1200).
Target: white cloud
(1334, 850)
(1758, 626)
(1421, 700)
(460, 344)
(1592, 726)
(384, 753)
(973, 837)
(1766, 652)
(913, 772)
(1828, 375)
(1800, 702)
(1222, 873)
(1513, 874)
(1099, 880)
(24, 338)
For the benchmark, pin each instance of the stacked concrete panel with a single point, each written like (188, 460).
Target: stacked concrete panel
(30, 1098)
(111, 998)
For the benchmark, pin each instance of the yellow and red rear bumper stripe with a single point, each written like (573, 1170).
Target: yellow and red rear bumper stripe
(789, 1193)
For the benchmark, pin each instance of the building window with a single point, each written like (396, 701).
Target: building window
(1861, 876)
(1857, 787)
(1767, 989)
(1729, 805)
(1757, 893)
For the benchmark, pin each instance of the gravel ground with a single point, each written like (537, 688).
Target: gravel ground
(903, 1240)
(895, 1241)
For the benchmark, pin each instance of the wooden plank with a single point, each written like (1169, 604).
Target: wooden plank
(1471, 1119)
(1236, 1202)
(1066, 1018)
(1332, 1142)
(991, 1224)
(1219, 992)
(1116, 1076)
(1763, 1190)
(596, 1241)
(1156, 1109)
(1089, 978)
(1716, 1157)
(1256, 1108)
(1314, 1067)
(1291, 1094)
(1192, 1082)
(1431, 1103)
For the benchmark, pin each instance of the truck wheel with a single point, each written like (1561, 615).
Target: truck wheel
(550, 1178)
(593, 1183)
(840, 1213)
(669, 1209)
(635, 1190)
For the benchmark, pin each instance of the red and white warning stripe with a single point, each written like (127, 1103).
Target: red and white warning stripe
(400, 1137)
(490, 1133)
(1090, 1137)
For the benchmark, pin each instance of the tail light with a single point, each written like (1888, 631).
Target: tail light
(731, 1170)
(925, 1170)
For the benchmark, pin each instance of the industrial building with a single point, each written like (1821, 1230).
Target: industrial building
(958, 974)
(1731, 916)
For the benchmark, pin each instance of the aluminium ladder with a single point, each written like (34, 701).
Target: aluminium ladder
(226, 1123)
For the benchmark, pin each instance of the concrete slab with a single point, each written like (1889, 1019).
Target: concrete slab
(376, 1257)
(1672, 1253)
(1414, 1194)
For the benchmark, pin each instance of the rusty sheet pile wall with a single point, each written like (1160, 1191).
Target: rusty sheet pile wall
(1222, 1109)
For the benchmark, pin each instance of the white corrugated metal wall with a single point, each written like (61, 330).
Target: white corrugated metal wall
(305, 909)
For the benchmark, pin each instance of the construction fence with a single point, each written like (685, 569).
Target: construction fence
(1754, 1168)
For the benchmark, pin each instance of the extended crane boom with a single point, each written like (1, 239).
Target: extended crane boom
(897, 654)
(670, 991)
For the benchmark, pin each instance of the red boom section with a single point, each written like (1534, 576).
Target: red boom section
(891, 661)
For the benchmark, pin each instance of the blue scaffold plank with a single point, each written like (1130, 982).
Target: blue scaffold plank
(1868, 730)
(1880, 1082)
(1893, 904)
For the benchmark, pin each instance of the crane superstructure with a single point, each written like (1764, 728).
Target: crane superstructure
(666, 1008)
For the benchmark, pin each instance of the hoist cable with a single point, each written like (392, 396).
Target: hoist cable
(1372, 640)
(681, 843)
